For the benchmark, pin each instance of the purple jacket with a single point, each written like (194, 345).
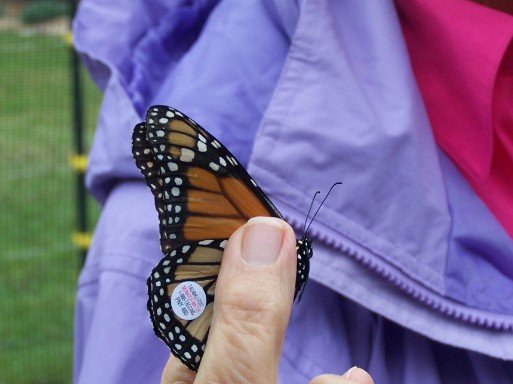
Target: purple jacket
(411, 277)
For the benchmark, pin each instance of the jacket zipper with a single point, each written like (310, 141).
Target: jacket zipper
(431, 300)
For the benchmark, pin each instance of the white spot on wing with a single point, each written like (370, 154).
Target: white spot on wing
(187, 155)
(202, 147)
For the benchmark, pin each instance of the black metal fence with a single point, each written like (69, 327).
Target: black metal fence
(47, 115)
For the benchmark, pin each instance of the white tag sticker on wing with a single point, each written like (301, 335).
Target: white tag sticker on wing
(188, 300)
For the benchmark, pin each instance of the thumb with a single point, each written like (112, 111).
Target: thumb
(254, 295)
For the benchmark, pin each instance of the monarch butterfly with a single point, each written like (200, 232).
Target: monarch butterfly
(202, 195)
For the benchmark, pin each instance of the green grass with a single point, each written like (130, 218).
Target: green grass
(38, 263)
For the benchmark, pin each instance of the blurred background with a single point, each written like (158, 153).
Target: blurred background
(48, 110)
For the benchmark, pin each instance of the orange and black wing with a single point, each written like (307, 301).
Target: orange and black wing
(202, 195)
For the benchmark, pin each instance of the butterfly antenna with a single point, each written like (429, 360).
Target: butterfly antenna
(322, 202)
(309, 210)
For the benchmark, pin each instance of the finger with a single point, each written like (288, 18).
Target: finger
(175, 372)
(353, 376)
(254, 295)
(359, 375)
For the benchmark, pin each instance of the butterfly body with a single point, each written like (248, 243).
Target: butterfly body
(202, 195)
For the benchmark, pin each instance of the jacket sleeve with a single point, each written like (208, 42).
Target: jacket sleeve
(114, 340)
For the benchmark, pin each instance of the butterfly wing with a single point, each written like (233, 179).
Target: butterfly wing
(202, 195)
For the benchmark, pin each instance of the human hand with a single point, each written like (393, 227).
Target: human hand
(254, 294)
